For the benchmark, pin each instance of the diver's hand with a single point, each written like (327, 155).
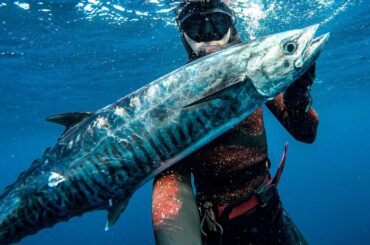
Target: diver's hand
(297, 96)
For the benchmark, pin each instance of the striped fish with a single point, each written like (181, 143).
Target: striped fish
(103, 157)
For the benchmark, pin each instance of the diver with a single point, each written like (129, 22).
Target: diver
(236, 200)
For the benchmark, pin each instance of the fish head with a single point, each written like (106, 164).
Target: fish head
(278, 60)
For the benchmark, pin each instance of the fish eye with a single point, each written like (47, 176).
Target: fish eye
(290, 47)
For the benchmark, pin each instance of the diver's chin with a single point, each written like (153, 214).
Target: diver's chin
(209, 49)
(204, 48)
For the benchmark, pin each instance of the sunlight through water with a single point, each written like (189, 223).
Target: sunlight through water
(255, 17)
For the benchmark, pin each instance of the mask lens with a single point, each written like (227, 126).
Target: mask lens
(207, 27)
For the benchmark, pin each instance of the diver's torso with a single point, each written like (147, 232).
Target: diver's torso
(231, 167)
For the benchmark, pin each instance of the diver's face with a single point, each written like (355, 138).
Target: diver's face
(207, 33)
(204, 48)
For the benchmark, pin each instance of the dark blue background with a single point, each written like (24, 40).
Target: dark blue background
(71, 58)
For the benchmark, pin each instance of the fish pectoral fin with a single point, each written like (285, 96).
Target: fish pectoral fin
(68, 119)
(114, 212)
(219, 94)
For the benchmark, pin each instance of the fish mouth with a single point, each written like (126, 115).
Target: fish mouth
(313, 47)
(317, 45)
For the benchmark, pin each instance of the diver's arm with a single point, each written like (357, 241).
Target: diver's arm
(174, 211)
(293, 109)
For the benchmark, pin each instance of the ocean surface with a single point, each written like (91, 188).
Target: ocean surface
(62, 56)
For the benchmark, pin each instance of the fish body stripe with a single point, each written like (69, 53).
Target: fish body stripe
(149, 144)
(108, 154)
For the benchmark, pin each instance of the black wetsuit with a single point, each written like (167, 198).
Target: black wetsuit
(227, 172)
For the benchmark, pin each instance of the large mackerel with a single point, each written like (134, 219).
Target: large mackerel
(103, 157)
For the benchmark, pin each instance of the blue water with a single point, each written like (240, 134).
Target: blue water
(61, 56)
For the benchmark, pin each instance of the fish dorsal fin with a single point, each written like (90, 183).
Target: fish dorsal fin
(219, 94)
(114, 211)
(68, 119)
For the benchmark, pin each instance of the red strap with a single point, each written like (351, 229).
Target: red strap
(220, 210)
(280, 169)
(244, 207)
(254, 201)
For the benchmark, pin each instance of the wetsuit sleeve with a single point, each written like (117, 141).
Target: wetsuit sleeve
(174, 211)
(300, 124)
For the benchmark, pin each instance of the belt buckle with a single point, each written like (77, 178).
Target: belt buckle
(266, 195)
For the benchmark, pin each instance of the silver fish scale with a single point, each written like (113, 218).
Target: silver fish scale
(99, 162)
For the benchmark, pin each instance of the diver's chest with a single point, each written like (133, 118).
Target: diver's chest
(242, 147)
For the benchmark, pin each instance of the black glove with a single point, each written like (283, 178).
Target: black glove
(297, 96)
